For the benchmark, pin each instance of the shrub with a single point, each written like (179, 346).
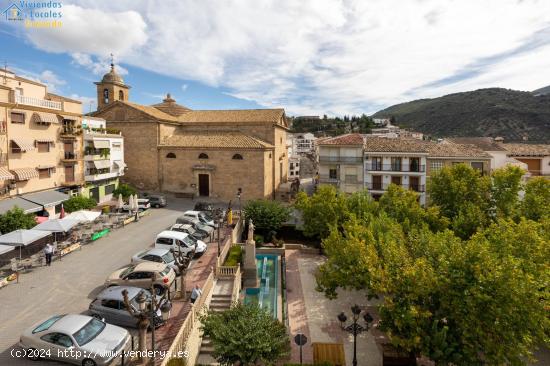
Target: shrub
(79, 203)
(266, 215)
(125, 190)
(234, 256)
(15, 219)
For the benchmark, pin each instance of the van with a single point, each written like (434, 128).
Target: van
(179, 241)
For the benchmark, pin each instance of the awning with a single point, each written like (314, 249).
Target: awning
(41, 117)
(69, 118)
(6, 249)
(5, 174)
(23, 144)
(46, 198)
(101, 144)
(25, 173)
(45, 166)
(10, 203)
(120, 164)
(102, 164)
(48, 140)
(22, 237)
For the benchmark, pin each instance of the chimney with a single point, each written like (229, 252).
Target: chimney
(499, 140)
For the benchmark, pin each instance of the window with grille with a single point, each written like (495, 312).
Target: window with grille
(44, 173)
(436, 165)
(17, 117)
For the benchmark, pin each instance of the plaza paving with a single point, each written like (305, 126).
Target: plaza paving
(68, 286)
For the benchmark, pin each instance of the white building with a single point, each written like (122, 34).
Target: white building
(293, 167)
(103, 158)
(301, 143)
(341, 162)
(398, 161)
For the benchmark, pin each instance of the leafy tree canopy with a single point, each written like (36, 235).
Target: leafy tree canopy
(246, 335)
(125, 190)
(15, 219)
(536, 201)
(266, 215)
(79, 202)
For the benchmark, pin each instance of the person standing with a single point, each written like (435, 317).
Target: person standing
(48, 251)
(195, 294)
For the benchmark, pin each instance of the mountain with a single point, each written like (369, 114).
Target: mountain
(490, 112)
(542, 91)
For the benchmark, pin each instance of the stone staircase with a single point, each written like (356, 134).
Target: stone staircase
(219, 302)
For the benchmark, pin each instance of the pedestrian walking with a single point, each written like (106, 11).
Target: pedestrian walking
(48, 251)
(195, 294)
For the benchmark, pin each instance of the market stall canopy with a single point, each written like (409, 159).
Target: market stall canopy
(46, 198)
(10, 203)
(57, 225)
(6, 248)
(22, 237)
(84, 215)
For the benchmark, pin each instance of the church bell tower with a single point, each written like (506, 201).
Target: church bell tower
(111, 88)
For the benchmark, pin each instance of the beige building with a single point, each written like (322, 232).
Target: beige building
(341, 162)
(449, 153)
(40, 142)
(212, 153)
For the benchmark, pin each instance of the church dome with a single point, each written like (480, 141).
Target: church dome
(112, 77)
(170, 106)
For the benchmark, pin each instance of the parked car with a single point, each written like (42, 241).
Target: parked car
(197, 225)
(142, 274)
(209, 209)
(180, 241)
(109, 305)
(201, 216)
(92, 341)
(157, 200)
(143, 204)
(189, 229)
(158, 255)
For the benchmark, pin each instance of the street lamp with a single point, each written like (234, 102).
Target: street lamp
(239, 193)
(355, 328)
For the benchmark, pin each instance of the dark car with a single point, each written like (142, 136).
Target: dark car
(204, 206)
(157, 200)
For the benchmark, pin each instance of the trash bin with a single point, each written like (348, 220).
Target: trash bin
(106, 209)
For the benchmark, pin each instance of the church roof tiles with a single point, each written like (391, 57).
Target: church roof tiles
(215, 139)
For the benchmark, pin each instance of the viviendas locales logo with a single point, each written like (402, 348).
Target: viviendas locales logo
(35, 14)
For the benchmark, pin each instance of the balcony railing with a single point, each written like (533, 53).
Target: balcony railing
(325, 178)
(341, 159)
(37, 102)
(384, 187)
(69, 155)
(371, 166)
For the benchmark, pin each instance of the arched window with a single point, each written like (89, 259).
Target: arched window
(237, 157)
(120, 95)
(170, 156)
(106, 95)
(203, 156)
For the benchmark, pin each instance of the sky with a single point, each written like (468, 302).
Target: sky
(311, 57)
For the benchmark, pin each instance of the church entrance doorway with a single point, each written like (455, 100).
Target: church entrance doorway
(204, 185)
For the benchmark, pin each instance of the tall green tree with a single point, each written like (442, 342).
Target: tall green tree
(266, 215)
(506, 185)
(246, 335)
(79, 203)
(536, 201)
(325, 208)
(15, 219)
(125, 190)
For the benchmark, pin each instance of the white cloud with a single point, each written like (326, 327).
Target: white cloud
(89, 104)
(184, 87)
(316, 56)
(47, 77)
(97, 65)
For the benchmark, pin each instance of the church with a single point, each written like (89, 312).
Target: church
(211, 153)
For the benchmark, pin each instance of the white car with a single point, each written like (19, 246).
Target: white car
(201, 216)
(180, 241)
(77, 339)
(143, 204)
(158, 255)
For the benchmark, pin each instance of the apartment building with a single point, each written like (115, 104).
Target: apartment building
(449, 153)
(40, 145)
(301, 143)
(341, 162)
(536, 157)
(395, 161)
(103, 159)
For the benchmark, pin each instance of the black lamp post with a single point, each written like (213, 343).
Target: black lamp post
(239, 193)
(355, 328)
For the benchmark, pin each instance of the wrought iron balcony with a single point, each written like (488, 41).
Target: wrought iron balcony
(375, 167)
(341, 159)
(384, 187)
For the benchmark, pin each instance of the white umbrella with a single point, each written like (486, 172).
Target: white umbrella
(84, 215)
(120, 202)
(136, 204)
(21, 238)
(57, 225)
(131, 203)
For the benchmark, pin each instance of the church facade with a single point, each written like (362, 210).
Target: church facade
(211, 153)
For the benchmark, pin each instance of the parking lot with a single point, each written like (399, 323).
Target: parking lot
(68, 286)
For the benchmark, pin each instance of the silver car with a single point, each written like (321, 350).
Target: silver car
(109, 305)
(77, 339)
(159, 255)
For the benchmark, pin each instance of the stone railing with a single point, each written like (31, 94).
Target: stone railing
(226, 271)
(235, 293)
(37, 102)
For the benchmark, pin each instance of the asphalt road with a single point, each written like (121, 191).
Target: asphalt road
(70, 285)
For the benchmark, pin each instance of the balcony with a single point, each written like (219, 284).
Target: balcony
(100, 175)
(69, 156)
(327, 179)
(37, 102)
(384, 187)
(102, 131)
(375, 167)
(341, 159)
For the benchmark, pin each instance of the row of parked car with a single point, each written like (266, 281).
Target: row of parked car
(98, 339)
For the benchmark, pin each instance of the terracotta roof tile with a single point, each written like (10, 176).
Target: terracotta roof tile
(527, 149)
(383, 144)
(484, 143)
(216, 140)
(451, 149)
(347, 139)
(233, 116)
(152, 111)
(170, 106)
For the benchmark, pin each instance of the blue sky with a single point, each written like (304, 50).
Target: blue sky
(310, 57)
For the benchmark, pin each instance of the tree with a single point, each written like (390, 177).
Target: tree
(15, 219)
(325, 208)
(506, 185)
(246, 335)
(79, 202)
(462, 193)
(480, 301)
(266, 215)
(536, 201)
(125, 190)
